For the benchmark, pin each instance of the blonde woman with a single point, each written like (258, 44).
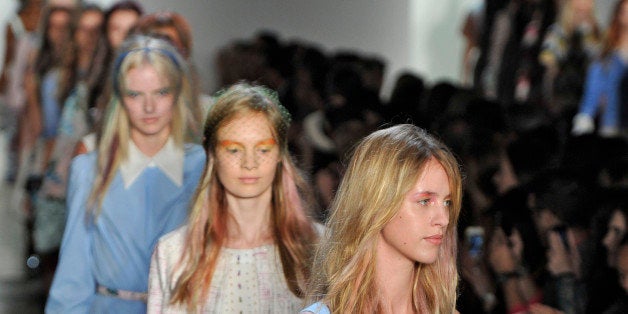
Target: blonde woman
(390, 244)
(247, 246)
(134, 188)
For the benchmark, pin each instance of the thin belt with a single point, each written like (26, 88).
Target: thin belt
(122, 294)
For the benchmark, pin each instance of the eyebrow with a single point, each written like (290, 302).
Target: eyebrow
(126, 89)
(270, 141)
(429, 193)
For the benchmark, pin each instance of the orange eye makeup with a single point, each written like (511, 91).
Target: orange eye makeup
(230, 145)
(266, 145)
(237, 149)
(269, 143)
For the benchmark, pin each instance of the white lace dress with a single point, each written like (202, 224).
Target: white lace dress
(245, 281)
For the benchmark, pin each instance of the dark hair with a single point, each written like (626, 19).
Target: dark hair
(406, 98)
(572, 200)
(534, 151)
(48, 58)
(126, 5)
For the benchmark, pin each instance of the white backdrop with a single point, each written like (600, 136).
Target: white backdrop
(418, 35)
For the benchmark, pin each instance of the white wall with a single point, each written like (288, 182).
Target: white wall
(435, 43)
(420, 35)
(6, 13)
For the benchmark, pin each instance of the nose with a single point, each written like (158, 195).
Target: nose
(249, 161)
(441, 215)
(149, 105)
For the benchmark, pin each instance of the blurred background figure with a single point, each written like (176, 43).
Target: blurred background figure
(601, 99)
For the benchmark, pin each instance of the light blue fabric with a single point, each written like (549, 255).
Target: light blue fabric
(50, 108)
(603, 82)
(317, 308)
(115, 251)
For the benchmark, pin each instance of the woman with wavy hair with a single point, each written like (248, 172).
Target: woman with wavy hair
(248, 242)
(134, 188)
(390, 242)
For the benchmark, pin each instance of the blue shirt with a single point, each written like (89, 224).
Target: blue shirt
(115, 250)
(603, 82)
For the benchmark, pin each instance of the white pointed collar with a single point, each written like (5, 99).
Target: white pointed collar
(169, 160)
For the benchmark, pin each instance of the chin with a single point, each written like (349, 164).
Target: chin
(427, 258)
(247, 194)
(426, 261)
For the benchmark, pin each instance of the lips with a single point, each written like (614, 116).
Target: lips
(150, 120)
(248, 180)
(436, 239)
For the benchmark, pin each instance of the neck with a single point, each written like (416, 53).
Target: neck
(149, 146)
(394, 274)
(249, 224)
(85, 59)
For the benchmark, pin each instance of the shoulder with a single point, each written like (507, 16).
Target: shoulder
(83, 164)
(170, 247)
(87, 159)
(194, 151)
(174, 238)
(316, 308)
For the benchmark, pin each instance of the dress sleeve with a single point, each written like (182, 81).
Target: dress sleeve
(74, 286)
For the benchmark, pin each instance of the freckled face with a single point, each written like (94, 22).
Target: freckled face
(247, 156)
(148, 98)
(416, 232)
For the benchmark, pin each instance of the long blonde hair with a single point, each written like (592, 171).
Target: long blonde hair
(113, 143)
(293, 231)
(384, 167)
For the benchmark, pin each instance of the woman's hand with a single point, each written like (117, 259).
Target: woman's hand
(501, 256)
(560, 258)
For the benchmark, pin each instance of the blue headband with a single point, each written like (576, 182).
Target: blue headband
(118, 62)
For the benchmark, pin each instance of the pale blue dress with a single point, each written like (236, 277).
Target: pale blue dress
(115, 251)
